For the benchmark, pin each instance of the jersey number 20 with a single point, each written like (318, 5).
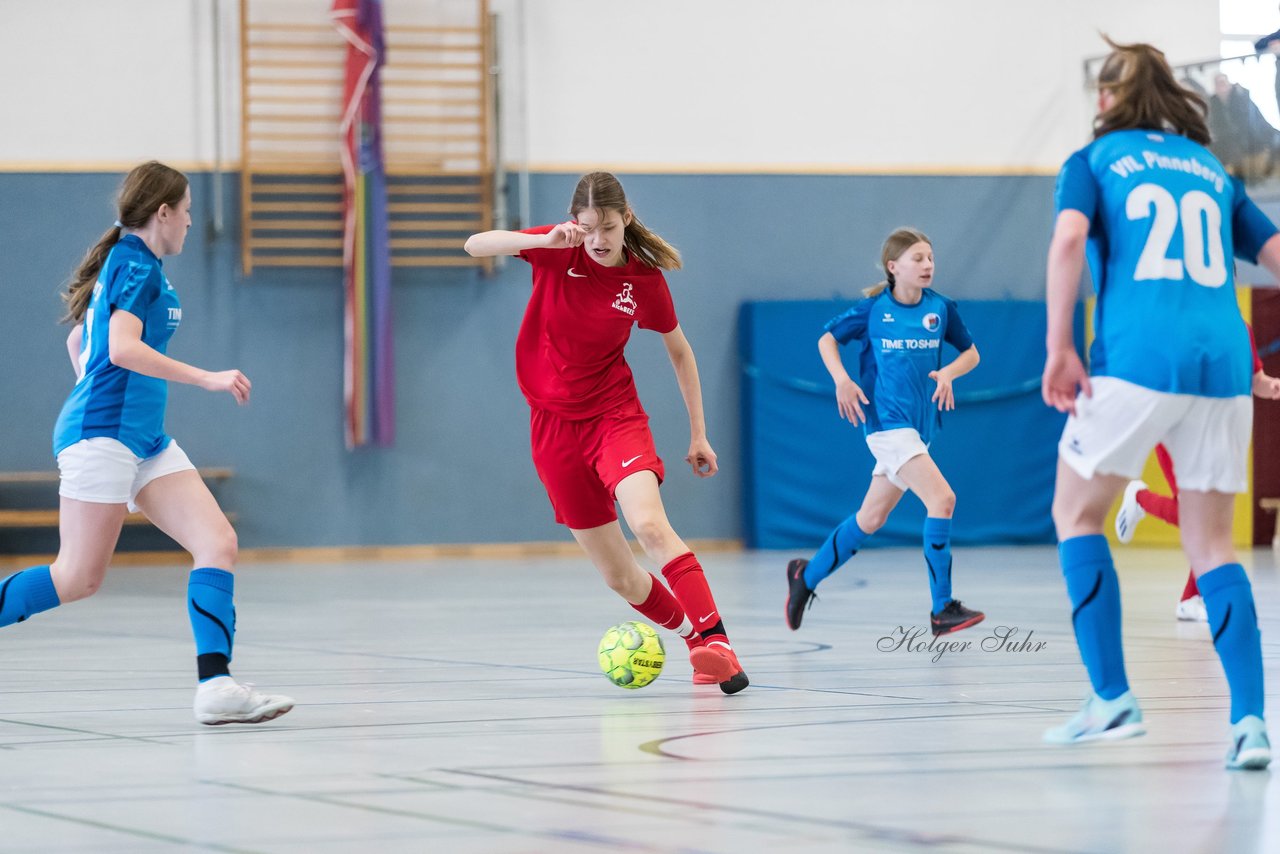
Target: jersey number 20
(1201, 220)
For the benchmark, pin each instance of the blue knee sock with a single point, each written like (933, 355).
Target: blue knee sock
(1228, 597)
(25, 593)
(212, 610)
(937, 556)
(1095, 602)
(843, 544)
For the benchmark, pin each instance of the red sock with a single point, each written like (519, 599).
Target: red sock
(1162, 507)
(689, 584)
(1191, 589)
(661, 607)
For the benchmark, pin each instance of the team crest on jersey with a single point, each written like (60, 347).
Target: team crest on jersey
(931, 322)
(625, 302)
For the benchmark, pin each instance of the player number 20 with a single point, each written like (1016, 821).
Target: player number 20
(1201, 221)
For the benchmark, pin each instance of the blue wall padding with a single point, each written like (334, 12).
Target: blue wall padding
(806, 469)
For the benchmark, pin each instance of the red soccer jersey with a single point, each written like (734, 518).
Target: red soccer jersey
(569, 351)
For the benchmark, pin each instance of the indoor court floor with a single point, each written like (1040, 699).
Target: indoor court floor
(456, 706)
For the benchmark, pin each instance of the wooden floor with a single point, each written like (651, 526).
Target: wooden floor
(455, 705)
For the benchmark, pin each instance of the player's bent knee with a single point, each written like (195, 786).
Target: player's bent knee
(76, 581)
(221, 549)
(943, 506)
(653, 535)
(618, 582)
(871, 521)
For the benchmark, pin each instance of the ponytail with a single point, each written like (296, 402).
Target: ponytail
(80, 290)
(651, 249)
(879, 287)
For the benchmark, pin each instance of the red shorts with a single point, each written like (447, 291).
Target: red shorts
(582, 462)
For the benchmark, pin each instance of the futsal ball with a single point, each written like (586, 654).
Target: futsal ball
(631, 655)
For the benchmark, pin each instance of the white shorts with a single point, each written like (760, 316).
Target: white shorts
(892, 449)
(104, 471)
(1114, 431)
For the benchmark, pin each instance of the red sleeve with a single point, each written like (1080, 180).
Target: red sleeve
(528, 254)
(660, 314)
(1253, 348)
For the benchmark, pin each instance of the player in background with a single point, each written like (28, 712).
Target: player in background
(594, 278)
(1160, 219)
(904, 387)
(1138, 500)
(112, 451)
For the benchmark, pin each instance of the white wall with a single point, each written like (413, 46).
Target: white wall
(667, 85)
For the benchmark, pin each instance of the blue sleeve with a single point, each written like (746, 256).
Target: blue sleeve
(1250, 227)
(134, 288)
(852, 324)
(956, 334)
(1077, 188)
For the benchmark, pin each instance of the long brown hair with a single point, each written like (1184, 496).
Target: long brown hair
(895, 244)
(144, 190)
(601, 190)
(1147, 96)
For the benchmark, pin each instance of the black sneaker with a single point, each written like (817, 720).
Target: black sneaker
(798, 593)
(953, 618)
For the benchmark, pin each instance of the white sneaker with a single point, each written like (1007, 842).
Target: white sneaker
(1100, 719)
(1250, 747)
(223, 700)
(1130, 513)
(1192, 610)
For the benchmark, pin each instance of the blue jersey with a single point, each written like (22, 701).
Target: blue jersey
(901, 345)
(1165, 219)
(109, 400)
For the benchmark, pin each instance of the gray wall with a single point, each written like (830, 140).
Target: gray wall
(460, 470)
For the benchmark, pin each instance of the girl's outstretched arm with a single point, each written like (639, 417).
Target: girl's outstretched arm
(489, 243)
(127, 350)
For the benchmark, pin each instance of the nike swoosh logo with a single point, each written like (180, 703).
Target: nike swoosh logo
(577, 275)
(707, 617)
(632, 460)
(939, 546)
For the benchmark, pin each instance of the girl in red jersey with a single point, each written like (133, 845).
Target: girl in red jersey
(1138, 500)
(593, 278)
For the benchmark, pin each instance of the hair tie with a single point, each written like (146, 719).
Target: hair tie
(118, 224)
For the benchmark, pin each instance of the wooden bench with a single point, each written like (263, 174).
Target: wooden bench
(35, 477)
(48, 518)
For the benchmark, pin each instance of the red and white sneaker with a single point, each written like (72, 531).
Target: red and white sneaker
(716, 664)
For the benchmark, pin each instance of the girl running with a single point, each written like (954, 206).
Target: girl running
(899, 327)
(1161, 219)
(594, 277)
(112, 451)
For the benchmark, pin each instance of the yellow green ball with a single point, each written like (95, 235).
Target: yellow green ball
(631, 655)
